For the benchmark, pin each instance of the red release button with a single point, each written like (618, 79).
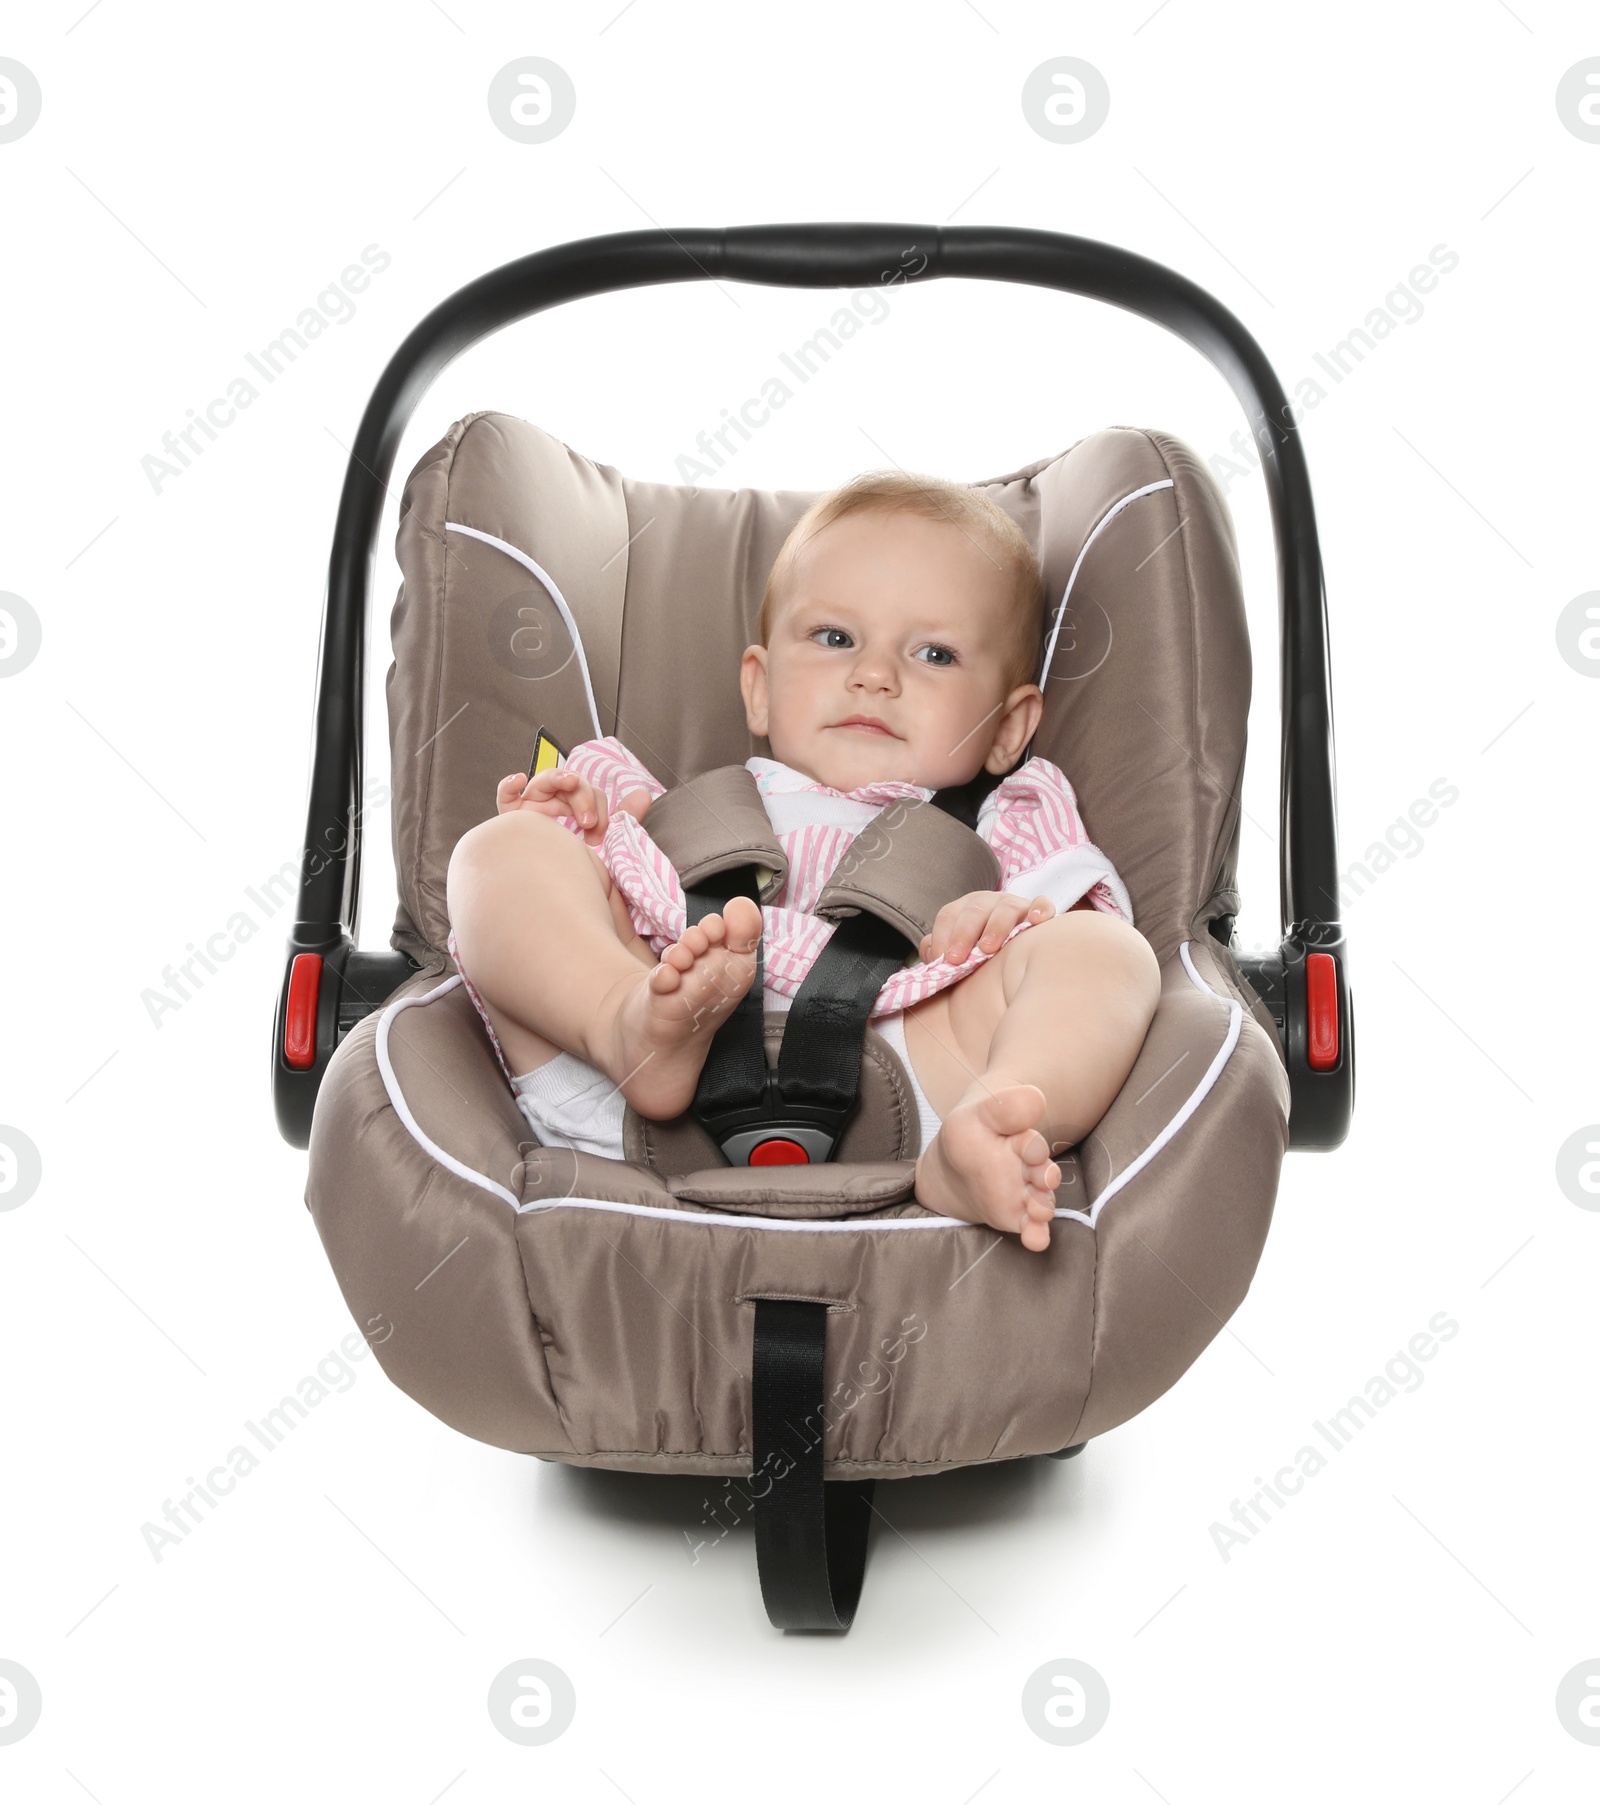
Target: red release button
(300, 1015)
(1322, 1012)
(779, 1152)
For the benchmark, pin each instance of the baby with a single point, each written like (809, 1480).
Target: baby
(901, 633)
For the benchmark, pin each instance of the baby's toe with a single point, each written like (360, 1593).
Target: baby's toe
(1035, 1235)
(1041, 1205)
(743, 919)
(1033, 1148)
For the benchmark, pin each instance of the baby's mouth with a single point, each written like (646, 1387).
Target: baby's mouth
(862, 725)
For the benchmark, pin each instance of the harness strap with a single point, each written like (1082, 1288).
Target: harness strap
(820, 1060)
(811, 1535)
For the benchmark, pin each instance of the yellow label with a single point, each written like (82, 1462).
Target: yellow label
(547, 755)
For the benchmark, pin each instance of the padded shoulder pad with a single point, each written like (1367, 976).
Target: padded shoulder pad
(905, 865)
(717, 822)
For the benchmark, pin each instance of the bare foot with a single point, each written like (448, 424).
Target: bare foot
(989, 1163)
(653, 1031)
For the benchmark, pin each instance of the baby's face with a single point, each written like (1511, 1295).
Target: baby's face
(899, 621)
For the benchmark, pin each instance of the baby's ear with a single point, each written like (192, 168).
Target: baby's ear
(1017, 726)
(753, 687)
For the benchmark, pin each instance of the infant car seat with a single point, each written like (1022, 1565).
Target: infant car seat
(802, 1330)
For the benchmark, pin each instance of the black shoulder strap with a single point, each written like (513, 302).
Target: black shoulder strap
(819, 1064)
(811, 1535)
(734, 1079)
(963, 800)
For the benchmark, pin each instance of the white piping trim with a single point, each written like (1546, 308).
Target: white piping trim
(403, 1109)
(1104, 520)
(729, 1219)
(1195, 1098)
(556, 596)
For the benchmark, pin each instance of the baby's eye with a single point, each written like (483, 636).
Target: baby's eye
(835, 643)
(944, 655)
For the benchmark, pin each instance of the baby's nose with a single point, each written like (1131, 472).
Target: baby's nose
(874, 673)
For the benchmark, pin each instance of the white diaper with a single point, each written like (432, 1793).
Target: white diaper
(893, 1029)
(568, 1103)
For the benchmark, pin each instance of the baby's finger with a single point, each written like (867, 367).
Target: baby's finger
(542, 787)
(969, 925)
(1003, 917)
(934, 940)
(515, 789)
(1007, 914)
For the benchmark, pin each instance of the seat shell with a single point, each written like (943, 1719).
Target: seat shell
(600, 1312)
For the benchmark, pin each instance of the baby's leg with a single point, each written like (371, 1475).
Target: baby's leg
(536, 927)
(1046, 1033)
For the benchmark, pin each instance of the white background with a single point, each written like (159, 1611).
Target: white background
(197, 177)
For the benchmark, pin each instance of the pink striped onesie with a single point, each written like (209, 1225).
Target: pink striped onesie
(1030, 820)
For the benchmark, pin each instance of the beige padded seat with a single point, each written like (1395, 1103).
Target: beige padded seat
(599, 1312)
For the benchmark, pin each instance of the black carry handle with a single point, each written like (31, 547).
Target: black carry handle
(845, 255)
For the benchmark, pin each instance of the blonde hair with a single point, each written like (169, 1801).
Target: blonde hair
(954, 504)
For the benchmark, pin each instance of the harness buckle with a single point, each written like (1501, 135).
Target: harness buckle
(780, 1144)
(776, 1133)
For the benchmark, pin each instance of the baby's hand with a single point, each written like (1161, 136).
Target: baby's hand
(564, 794)
(982, 918)
(558, 793)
